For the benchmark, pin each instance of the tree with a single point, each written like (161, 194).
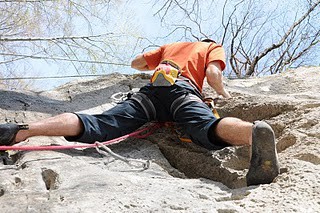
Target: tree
(79, 33)
(96, 36)
(259, 38)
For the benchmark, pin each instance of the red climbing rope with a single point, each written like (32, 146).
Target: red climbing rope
(142, 133)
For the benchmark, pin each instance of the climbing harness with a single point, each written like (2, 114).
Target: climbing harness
(150, 111)
(146, 104)
(165, 74)
(210, 103)
(142, 133)
(185, 99)
(142, 99)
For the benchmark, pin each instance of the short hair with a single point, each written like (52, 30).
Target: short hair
(208, 40)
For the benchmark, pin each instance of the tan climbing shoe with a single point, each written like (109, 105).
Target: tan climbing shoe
(264, 165)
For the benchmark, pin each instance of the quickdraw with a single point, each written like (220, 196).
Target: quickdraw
(145, 164)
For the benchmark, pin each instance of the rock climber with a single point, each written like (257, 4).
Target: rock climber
(173, 95)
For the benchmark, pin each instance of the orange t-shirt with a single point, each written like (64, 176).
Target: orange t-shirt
(192, 57)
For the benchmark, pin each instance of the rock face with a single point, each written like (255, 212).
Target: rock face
(182, 177)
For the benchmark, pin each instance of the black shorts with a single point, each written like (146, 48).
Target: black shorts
(195, 118)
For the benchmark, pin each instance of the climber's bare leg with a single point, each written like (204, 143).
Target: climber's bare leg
(66, 124)
(234, 131)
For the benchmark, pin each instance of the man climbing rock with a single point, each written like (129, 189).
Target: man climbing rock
(173, 95)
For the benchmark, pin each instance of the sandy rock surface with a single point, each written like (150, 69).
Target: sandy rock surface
(182, 177)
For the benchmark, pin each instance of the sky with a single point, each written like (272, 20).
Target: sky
(142, 15)
(144, 20)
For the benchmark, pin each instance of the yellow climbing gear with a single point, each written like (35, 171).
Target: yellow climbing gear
(210, 103)
(165, 74)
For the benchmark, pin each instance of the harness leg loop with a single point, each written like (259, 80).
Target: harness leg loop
(146, 105)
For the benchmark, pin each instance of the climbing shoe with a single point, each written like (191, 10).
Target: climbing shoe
(264, 165)
(9, 131)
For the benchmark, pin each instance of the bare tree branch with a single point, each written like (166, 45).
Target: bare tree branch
(246, 30)
(255, 61)
(4, 39)
(62, 59)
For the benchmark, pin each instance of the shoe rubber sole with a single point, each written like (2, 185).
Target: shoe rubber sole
(264, 164)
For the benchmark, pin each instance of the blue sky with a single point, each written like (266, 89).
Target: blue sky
(141, 13)
(144, 20)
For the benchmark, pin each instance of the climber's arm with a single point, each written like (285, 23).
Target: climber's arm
(140, 63)
(215, 80)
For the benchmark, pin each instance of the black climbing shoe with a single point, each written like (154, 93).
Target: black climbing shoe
(264, 165)
(8, 133)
